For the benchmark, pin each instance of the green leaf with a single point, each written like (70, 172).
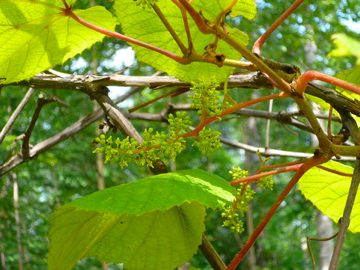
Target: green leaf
(145, 25)
(352, 76)
(328, 192)
(345, 46)
(37, 35)
(153, 223)
(246, 9)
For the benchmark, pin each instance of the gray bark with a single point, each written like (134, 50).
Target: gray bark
(325, 229)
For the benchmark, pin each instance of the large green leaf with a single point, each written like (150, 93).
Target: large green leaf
(153, 223)
(36, 35)
(144, 25)
(328, 192)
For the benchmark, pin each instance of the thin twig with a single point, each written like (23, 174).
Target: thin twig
(308, 239)
(68, 132)
(40, 104)
(258, 44)
(345, 220)
(268, 122)
(169, 28)
(16, 113)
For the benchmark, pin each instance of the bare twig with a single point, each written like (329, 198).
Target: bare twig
(40, 104)
(268, 122)
(16, 113)
(308, 239)
(68, 132)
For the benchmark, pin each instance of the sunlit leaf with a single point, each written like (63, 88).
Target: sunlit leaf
(328, 192)
(145, 25)
(345, 46)
(153, 223)
(36, 35)
(351, 76)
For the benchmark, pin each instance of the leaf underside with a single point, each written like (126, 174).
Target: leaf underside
(153, 223)
(145, 25)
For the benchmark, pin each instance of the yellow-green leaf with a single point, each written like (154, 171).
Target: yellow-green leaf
(352, 76)
(328, 192)
(36, 35)
(345, 46)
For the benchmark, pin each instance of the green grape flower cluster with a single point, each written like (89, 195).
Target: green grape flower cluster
(238, 173)
(206, 97)
(232, 220)
(156, 144)
(179, 125)
(233, 212)
(266, 182)
(118, 151)
(207, 141)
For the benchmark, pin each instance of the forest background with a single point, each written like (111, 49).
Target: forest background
(32, 191)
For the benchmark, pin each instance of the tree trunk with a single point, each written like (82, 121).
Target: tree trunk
(17, 220)
(325, 229)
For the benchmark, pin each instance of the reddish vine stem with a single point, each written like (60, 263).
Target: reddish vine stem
(308, 76)
(251, 178)
(334, 171)
(109, 33)
(196, 16)
(316, 160)
(287, 164)
(234, 108)
(258, 43)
